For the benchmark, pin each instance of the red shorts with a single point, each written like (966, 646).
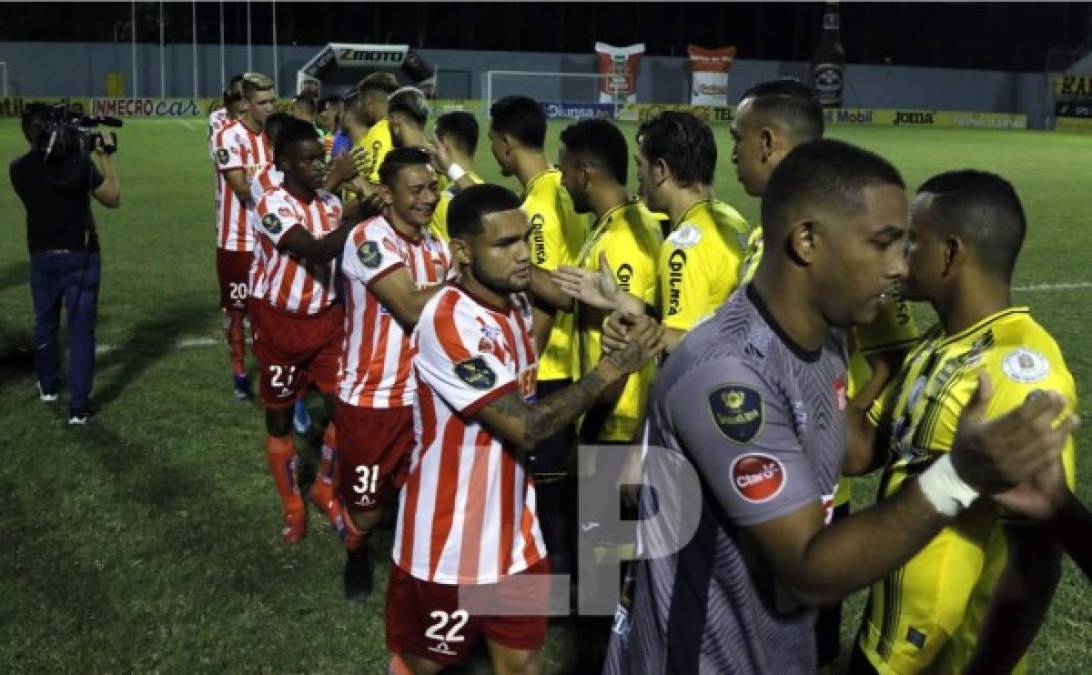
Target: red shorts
(425, 619)
(374, 445)
(295, 350)
(233, 270)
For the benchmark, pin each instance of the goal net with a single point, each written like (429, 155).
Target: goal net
(573, 95)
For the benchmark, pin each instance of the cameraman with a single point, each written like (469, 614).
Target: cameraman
(56, 180)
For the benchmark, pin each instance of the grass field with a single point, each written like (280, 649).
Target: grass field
(147, 541)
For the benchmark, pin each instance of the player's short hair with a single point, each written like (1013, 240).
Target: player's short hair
(233, 92)
(472, 204)
(984, 211)
(274, 124)
(327, 101)
(409, 101)
(685, 143)
(378, 83)
(792, 104)
(398, 159)
(305, 101)
(461, 127)
(293, 130)
(353, 106)
(520, 117)
(598, 142)
(254, 82)
(824, 173)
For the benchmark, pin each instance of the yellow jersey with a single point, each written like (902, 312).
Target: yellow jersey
(915, 616)
(557, 233)
(630, 236)
(700, 263)
(438, 223)
(376, 143)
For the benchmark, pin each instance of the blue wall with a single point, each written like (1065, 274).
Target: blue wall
(79, 69)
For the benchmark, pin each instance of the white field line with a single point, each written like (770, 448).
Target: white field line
(1062, 286)
(185, 124)
(193, 342)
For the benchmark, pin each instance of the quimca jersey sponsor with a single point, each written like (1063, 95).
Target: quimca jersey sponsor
(377, 356)
(281, 279)
(467, 512)
(700, 263)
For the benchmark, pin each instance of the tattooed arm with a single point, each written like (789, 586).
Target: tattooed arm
(528, 424)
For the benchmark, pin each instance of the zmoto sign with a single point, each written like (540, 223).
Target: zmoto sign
(371, 56)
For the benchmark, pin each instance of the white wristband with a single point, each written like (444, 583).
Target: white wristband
(455, 172)
(944, 489)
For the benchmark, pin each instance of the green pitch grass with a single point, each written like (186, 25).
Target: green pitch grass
(147, 541)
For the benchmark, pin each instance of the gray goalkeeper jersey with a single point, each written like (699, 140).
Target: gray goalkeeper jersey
(761, 421)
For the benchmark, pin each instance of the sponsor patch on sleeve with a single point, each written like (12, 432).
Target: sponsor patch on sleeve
(476, 373)
(758, 477)
(369, 254)
(686, 236)
(738, 412)
(1025, 365)
(222, 155)
(271, 223)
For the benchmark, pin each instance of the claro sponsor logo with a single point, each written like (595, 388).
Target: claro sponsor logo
(145, 107)
(913, 117)
(675, 264)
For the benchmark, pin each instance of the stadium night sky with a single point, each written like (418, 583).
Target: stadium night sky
(998, 36)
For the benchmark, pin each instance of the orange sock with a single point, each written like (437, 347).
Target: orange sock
(398, 666)
(327, 472)
(283, 461)
(233, 333)
(351, 534)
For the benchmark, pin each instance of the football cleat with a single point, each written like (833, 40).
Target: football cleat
(242, 387)
(301, 419)
(357, 577)
(79, 418)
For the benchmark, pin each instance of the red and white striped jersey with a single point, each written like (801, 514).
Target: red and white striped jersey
(236, 147)
(267, 180)
(218, 119)
(277, 277)
(467, 512)
(376, 355)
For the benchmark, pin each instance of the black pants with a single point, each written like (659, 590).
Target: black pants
(549, 463)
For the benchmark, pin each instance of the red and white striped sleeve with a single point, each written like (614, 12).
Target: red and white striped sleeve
(451, 358)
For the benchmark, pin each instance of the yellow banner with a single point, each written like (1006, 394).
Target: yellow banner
(640, 112)
(1073, 86)
(924, 118)
(1073, 124)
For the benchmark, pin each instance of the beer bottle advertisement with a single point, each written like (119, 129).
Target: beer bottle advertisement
(828, 63)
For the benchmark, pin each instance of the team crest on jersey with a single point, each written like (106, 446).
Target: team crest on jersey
(369, 254)
(686, 236)
(1025, 365)
(476, 372)
(271, 223)
(758, 477)
(222, 155)
(737, 411)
